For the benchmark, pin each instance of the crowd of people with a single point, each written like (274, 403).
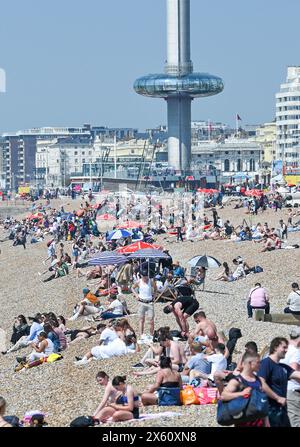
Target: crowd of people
(201, 356)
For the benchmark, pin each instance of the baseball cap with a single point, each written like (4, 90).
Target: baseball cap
(295, 333)
(85, 290)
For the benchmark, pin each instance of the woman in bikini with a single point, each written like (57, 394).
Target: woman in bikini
(126, 406)
(165, 377)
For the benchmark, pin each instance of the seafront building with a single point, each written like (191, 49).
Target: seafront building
(288, 122)
(18, 150)
(266, 137)
(62, 159)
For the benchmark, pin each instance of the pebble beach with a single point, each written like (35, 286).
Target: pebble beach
(64, 391)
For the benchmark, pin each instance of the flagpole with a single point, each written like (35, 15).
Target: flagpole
(236, 125)
(209, 130)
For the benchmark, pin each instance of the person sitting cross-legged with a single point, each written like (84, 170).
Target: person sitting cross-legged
(165, 377)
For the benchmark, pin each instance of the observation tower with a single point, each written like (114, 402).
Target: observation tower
(179, 85)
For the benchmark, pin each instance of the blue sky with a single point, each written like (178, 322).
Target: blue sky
(70, 62)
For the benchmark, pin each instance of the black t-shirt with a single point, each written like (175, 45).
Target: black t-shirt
(276, 375)
(186, 301)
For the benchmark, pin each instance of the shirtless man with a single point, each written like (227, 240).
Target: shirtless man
(182, 307)
(173, 350)
(268, 243)
(204, 328)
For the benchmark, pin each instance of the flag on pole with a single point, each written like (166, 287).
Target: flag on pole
(238, 117)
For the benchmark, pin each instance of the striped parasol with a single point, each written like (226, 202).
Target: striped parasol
(108, 258)
(118, 234)
(204, 261)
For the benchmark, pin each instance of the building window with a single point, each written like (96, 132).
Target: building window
(226, 165)
(239, 164)
(75, 153)
(252, 165)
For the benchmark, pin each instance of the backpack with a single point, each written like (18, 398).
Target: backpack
(13, 420)
(258, 269)
(83, 421)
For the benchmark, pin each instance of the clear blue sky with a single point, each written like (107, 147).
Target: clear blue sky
(70, 62)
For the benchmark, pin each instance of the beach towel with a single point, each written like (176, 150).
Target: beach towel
(150, 416)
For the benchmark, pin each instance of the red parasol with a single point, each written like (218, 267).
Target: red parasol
(140, 245)
(207, 190)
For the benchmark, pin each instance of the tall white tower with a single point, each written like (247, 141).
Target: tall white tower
(179, 85)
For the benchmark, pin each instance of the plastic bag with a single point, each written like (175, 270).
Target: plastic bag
(188, 396)
(207, 395)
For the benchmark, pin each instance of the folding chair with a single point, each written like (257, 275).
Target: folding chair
(168, 293)
(196, 287)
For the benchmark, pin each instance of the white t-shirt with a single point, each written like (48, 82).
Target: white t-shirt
(108, 336)
(294, 301)
(218, 363)
(116, 307)
(292, 356)
(239, 272)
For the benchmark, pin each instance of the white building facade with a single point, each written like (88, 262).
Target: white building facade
(228, 158)
(288, 121)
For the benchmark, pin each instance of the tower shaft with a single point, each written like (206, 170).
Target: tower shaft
(178, 38)
(179, 132)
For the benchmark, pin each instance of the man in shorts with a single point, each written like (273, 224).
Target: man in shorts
(183, 307)
(147, 291)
